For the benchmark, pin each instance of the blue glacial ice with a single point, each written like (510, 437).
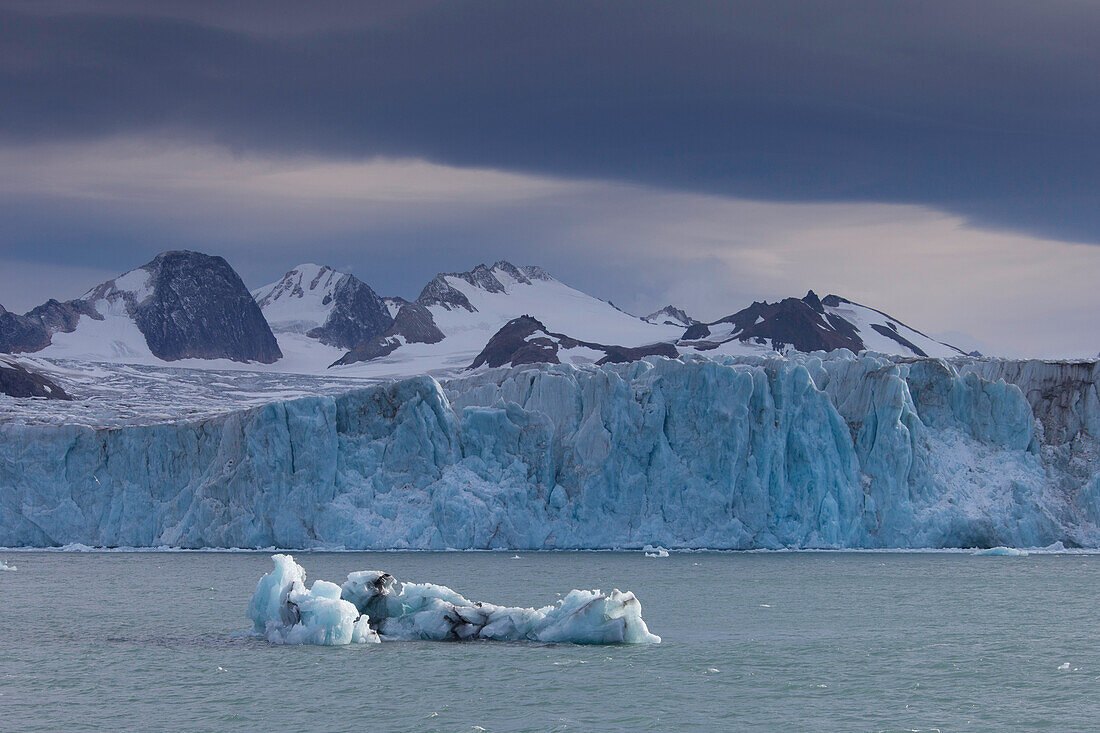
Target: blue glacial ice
(284, 611)
(1002, 552)
(373, 606)
(810, 451)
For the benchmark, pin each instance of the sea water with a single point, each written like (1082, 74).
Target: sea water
(751, 641)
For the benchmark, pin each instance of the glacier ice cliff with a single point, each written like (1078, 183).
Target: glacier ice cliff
(809, 451)
(372, 606)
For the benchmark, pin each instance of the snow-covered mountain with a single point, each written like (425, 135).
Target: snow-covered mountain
(186, 305)
(670, 315)
(811, 324)
(181, 305)
(314, 305)
(468, 308)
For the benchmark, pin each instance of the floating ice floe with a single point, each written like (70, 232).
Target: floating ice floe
(5, 566)
(658, 551)
(1002, 552)
(284, 612)
(374, 606)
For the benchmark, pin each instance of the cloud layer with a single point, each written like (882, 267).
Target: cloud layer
(988, 110)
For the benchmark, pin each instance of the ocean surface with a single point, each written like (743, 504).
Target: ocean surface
(752, 641)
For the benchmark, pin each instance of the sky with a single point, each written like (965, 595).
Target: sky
(935, 160)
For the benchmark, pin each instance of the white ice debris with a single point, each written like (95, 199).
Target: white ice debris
(373, 605)
(1002, 552)
(658, 551)
(5, 566)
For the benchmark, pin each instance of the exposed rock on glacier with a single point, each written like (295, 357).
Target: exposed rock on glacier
(809, 451)
(372, 603)
(413, 324)
(18, 381)
(525, 340)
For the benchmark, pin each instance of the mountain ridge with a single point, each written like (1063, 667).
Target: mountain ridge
(187, 305)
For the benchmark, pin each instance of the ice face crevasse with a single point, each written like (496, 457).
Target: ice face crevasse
(741, 453)
(370, 603)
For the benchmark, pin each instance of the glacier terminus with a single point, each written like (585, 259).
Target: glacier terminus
(728, 452)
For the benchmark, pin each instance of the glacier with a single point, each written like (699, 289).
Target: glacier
(372, 606)
(752, 452)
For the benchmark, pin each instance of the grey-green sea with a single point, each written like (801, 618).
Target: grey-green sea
(157, 641)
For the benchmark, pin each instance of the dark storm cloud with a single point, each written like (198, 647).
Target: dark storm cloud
(988, 109)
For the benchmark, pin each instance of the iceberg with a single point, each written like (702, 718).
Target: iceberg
(5, 566)
(373, 606)
(754, 452)
(284, 611)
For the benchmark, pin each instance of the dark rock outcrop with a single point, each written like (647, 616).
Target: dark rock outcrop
(34, 330)
(891, 332)
(21, 334)
(813, 301)
(200, 309)
(439, 292)
(358, 315)
(522, 340)
(790, 322)
(192, 305)
(57, 316)
(17, 381)
(525, 340)
(623, 354)
(413, 324)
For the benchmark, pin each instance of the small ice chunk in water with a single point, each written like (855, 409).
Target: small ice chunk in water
(1063, 667)
(1002, 552)
(373, 605)
(658, 551)
(5, 566)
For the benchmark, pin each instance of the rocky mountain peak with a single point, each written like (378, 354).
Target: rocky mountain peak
(670, 315)
(439, 292)
(198, 307)
(336, 308)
